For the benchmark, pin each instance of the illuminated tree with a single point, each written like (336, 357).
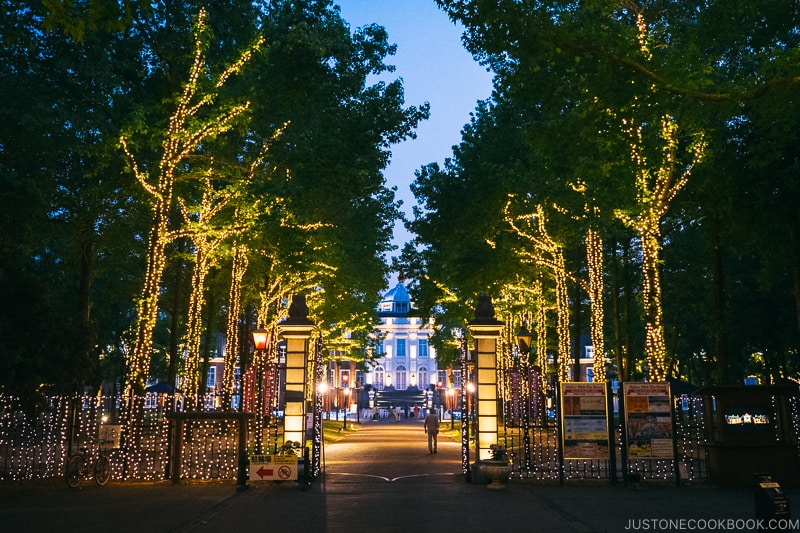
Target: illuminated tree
(545, 251)
(656, 188)
(188, 129)
(207, 236)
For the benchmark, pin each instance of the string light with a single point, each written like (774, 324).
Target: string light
(654, 195)
(239, 264)
(594, 257)
(545, 251)
(182, 138)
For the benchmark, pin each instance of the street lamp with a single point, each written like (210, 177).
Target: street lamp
(451, 396)
(260, 339)
(346, 392)
(260, 343)
(524, 339)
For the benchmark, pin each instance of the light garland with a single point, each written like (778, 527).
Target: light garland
(594, 258)
(654, 195)
(181, 139)
(206, 240)
(546, 252)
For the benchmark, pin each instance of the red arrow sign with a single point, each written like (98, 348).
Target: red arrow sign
(264, 472)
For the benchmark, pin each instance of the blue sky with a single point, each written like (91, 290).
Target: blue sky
(435, 68)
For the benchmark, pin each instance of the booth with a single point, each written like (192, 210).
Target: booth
(749, 430)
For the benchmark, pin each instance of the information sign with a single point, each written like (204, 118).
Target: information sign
(273, 468)
(648, 420)
(585, 421)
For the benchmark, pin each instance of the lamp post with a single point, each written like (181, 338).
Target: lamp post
(346, 392)
(260, 336)
(451, 396)
(524, 339)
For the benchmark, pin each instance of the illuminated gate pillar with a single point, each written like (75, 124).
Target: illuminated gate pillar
(297, 331)
(485, 329)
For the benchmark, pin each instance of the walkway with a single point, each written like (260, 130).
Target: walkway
(378, 479)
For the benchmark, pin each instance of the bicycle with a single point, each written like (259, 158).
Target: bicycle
(77, 469)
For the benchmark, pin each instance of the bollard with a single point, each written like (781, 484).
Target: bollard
(771, 503)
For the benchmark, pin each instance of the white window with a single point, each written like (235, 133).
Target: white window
(379, 377)
(211, 378)
(589, 352)
(400, 374)
(457, 379)
(422, 379)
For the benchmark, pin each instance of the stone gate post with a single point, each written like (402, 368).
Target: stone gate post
(485, 329)
(297, 331)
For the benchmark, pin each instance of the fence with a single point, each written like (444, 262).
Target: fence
(35, 440)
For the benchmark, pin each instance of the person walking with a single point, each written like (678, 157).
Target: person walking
(431, 427)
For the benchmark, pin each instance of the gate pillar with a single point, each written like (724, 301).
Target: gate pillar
(297, 331)
(485, 329)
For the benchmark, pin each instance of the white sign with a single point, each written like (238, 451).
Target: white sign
(109, 436)
(273, 468)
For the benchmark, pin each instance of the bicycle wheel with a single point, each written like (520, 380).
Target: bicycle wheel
(102, 470)
(76, 465)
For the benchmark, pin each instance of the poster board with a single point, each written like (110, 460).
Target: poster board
(648, 420)
(584, 419)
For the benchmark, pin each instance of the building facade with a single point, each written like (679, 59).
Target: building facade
(406, 360)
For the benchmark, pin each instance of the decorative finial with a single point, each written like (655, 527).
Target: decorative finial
(298, 308)
(484, 310)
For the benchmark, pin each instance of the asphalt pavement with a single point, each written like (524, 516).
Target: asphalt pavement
(379, 478)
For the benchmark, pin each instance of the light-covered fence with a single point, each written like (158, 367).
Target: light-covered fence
(36, 438)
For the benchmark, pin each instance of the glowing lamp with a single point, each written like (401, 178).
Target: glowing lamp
(260, 339)
(524, 338)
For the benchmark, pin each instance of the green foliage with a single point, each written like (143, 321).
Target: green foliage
(315, 209)
(567, 76)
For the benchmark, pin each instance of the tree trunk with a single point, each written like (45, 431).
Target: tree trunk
(576, 339)
(174, 333)
(718, 332)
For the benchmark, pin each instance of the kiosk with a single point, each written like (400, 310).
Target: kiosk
(749, 430)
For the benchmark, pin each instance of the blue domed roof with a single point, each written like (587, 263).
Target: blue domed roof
(396, 302)
(398, 294)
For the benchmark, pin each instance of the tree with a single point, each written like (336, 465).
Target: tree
(718, 67)
(188, 130)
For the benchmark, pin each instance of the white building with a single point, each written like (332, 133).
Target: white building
(406, 360)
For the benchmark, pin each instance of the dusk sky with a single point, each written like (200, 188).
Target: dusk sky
(435, 68)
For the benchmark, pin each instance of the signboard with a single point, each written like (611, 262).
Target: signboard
(585, 422)
(273, 468)
(109, 436)
(648, 420)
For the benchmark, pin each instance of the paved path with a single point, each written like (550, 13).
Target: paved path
(378, 479)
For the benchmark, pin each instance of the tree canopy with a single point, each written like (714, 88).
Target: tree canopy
(573, 131)
(293, 176)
